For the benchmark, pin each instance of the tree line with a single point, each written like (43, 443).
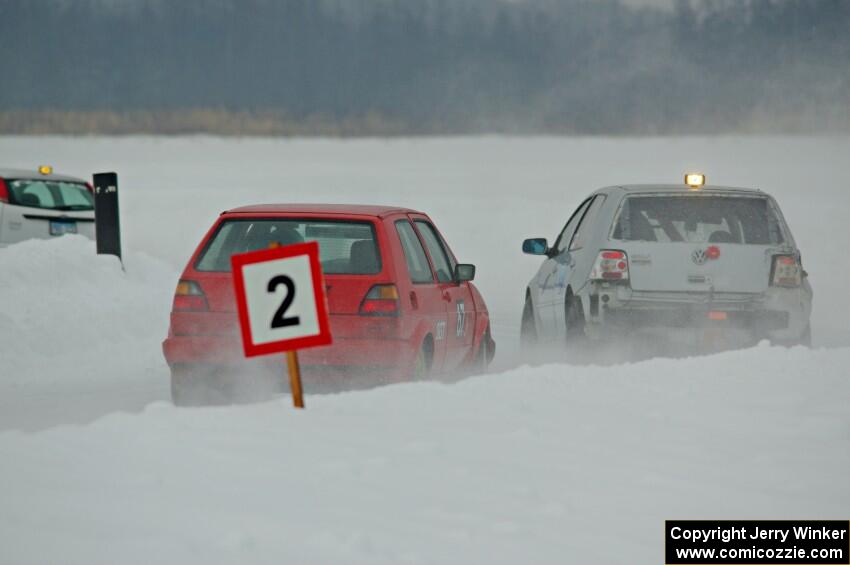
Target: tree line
(424, 66)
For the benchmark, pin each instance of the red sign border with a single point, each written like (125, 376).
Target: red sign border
(238, 262)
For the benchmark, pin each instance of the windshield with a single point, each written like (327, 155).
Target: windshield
(345, 247)
(50, 194)
(698, 219)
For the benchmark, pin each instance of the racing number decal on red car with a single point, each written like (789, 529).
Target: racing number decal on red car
(461, 318)
(440, 330)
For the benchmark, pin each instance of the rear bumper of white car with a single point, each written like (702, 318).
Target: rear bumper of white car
(779, 314)
(21, 223)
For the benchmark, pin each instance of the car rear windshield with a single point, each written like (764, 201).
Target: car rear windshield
(50, 194)
(345, 247)
(698, 219)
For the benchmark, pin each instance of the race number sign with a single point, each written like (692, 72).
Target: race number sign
(280, 298)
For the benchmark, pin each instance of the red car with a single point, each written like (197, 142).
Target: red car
(401, 306)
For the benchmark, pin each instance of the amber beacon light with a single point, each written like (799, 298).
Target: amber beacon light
(695, 180)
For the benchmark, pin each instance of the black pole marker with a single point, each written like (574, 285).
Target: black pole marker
(107, 226)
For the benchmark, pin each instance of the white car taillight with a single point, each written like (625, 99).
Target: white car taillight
(611, 265)
(787, 271)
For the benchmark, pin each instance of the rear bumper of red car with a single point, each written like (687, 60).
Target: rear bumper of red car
(213, 338)
(384, 355)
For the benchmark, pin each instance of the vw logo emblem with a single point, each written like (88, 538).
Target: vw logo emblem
(698, 256)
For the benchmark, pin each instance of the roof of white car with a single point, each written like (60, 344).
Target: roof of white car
(679, 188)
(34, 174)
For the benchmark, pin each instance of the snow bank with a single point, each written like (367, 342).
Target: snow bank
(63, 300)
(552, 464)
(74, 325)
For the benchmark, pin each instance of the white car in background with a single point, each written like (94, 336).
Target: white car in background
(41, 204)
(687, 263)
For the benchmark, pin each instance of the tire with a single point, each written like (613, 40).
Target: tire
(190, 386)
(482, 358)
(528, 328)
(177, 397)
(806, 338)
(205, 386)
(421, 369)
(576, 339)
(181, 387)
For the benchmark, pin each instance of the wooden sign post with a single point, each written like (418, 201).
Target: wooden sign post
(295, 379)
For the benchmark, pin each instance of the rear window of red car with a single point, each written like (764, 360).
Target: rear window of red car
(345, 247)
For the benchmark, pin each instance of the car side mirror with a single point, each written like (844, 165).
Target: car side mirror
(535, 246)
(464, 272)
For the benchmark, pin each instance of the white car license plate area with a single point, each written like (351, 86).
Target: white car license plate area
(61, 227)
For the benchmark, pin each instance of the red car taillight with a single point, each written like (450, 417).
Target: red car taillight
(381, 300)
(189, 296)
(611, 265)
(4, 191)
(787, 271)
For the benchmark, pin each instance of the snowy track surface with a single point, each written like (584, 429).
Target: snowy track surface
(550, 464)
(545, 465)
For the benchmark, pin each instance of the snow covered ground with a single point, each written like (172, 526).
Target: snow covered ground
(545, 465)
(549, 464)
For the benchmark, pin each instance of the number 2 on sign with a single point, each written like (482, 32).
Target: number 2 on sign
(279, 320)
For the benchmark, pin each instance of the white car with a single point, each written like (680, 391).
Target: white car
(688, 263)
(40, 205)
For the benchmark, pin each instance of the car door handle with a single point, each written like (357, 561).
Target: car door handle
(414, 300)
(447, 297)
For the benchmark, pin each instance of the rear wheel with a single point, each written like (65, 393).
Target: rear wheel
(178, 396)
(184, 389)
(216, 386)
(482, 358)
(527, 329)
(806, 338)
(575, 337)
(422, 364)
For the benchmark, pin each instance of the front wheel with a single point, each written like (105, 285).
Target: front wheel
(528, 328)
